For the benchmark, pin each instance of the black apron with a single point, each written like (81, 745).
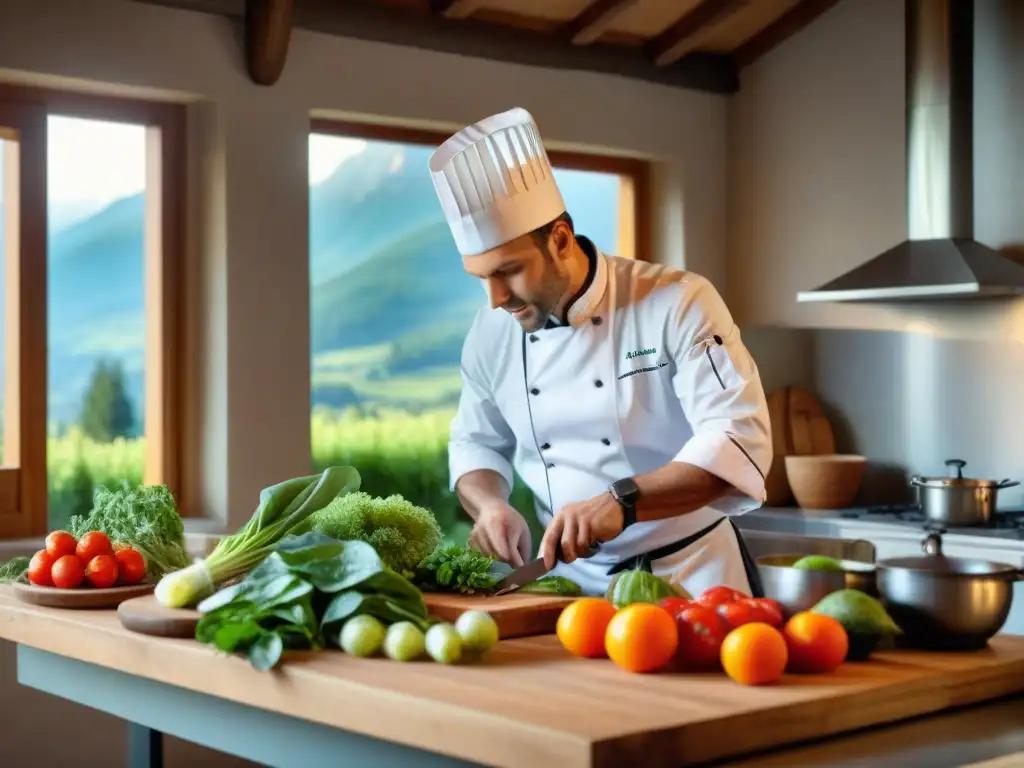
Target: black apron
(644, 559)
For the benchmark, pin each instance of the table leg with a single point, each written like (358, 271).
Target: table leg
(145, 747)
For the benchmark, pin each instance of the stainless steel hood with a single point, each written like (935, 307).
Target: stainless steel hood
(940, 260)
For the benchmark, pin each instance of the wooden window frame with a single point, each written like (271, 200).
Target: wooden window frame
(634, 174)
(25, 110)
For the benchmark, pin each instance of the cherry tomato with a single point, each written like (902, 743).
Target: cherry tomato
(738, 613)
(769, 611)
(92, 544)
(67, 572)
(716, 596)
(701, 632)
(39, 568)
(675, 605)
(131, 565)
(101, 571)
(60, 543)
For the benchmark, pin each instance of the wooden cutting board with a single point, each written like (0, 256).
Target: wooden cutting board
(799, 428)
(144, 614)
(515, 615)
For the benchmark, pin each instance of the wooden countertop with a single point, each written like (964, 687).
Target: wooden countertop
(530, 703)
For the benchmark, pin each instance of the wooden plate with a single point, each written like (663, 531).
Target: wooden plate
(83, 597)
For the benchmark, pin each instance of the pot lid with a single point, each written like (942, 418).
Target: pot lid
(958, 481)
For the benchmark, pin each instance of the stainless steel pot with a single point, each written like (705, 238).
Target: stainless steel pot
(947, 603)
(958, 500)
(799, 590)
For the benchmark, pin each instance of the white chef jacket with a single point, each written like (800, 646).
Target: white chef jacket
(651, 369)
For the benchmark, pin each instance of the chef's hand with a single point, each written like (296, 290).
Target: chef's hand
(501, 532)
(579, 526)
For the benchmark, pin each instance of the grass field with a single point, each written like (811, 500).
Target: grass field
(394, 451)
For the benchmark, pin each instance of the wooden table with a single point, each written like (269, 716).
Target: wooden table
(528, 704)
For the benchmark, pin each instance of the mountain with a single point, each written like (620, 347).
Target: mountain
(385, 278)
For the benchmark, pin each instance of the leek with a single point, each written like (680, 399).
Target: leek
(283, 509)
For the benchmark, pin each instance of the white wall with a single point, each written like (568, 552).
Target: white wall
(249, 294)
(817, 186)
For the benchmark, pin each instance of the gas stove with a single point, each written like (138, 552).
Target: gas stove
(1007, 523)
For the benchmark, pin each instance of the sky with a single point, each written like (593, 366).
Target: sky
(98, 162)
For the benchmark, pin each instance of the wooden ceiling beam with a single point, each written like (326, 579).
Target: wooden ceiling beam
(268, 29)
(680, 39)
(787, 25)
(594, 20)
(456, 9)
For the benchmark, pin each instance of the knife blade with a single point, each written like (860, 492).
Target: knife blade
(530, 572)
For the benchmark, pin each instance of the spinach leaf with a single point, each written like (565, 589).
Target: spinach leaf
(266, 651)
(348, 604)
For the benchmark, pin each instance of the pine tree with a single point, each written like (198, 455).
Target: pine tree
(106, 410)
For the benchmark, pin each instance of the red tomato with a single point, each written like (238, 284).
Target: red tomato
(675, 605)
(92, 544)
(131, 565)
(101, 571)
(60, 543)
(716, 596)
(67, 572)
(701, 632)
(738, 613)
(39, 568)
(769, 611)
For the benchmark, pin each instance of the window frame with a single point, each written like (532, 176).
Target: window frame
(634, 173)
(26, 109)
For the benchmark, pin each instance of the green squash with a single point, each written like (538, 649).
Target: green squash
(640, 585)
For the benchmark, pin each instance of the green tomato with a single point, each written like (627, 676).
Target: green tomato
(362, 635)
(443, 643)
(404, 641)
(477, 630)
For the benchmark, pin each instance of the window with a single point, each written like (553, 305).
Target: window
(91, 241)
(390, 303)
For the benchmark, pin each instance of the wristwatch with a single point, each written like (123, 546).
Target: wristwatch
(627, 493)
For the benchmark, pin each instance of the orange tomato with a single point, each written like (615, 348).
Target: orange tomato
(92, 544)
(39, 568)
(642, 637)
(67, 572)
(581, 626)
(754, 654)
(131, 565)
(60, 543)
(816, 643)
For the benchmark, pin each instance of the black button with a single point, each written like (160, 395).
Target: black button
(534, 391)
(595, 320)
(606, 441)
(598, 383)
(545, 446)
(718, 339)
(532, 337)
(551, 466)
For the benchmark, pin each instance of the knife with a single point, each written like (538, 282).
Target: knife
(530, 572)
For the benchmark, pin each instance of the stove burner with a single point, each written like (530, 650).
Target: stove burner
(1004, 520)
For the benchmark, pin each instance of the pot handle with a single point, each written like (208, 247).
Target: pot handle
(917, 482)
(959, 464)
(1007, 484)
(932, 544)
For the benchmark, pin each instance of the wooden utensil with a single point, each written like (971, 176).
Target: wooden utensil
(146, 616)
(82, 597)
(799, 428)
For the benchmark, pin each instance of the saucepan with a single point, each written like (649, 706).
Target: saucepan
(959, 500)
(946, 603)
(797, 590)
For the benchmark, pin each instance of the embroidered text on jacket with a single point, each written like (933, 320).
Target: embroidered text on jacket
(641, 353)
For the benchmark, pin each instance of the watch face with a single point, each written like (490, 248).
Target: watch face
(626, 490)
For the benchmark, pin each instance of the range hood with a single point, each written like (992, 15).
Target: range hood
(940, 260)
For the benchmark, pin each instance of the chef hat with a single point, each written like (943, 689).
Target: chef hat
(495, 182)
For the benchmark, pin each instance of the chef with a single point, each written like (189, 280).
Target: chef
(618, 389)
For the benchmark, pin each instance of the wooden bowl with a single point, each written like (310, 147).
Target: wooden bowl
(825, 482)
